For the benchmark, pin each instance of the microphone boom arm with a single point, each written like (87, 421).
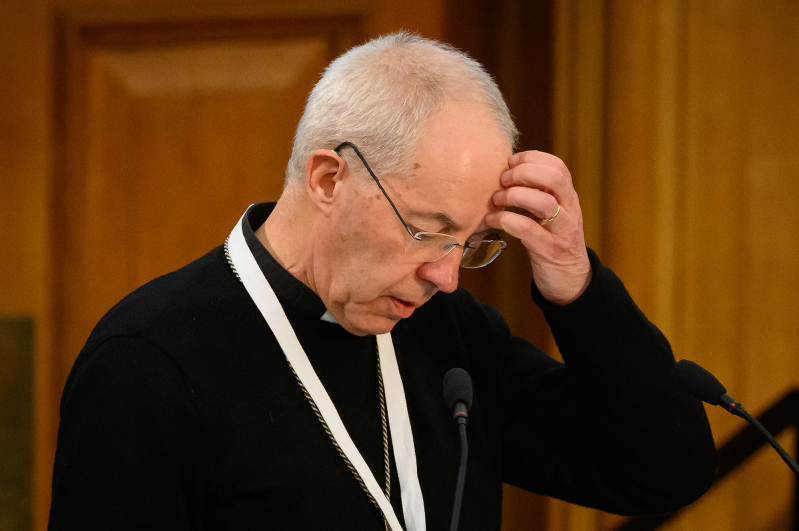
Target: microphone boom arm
(737, 409)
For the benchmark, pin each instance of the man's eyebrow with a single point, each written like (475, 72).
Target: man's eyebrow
(448, 222)
(441, 217)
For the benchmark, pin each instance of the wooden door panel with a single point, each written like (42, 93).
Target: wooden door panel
(197, 153)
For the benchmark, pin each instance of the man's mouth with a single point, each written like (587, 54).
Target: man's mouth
(404, 309)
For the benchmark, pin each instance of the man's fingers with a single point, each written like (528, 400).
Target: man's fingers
(542, 177)
(540, 204)
(521, 227)
(548, 222)
(537, 157)
(536, 175)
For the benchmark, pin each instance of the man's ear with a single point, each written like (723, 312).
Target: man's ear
(324, 170)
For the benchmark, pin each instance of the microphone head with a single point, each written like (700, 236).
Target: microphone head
(457, 388)
(698, 381)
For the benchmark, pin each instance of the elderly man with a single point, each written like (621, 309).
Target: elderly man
(291, 378)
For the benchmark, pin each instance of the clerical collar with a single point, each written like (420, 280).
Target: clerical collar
(288, 288)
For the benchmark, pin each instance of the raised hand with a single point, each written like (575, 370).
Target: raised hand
(546, 217)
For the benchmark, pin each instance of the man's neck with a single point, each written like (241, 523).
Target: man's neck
(260, 233)
(285, 236)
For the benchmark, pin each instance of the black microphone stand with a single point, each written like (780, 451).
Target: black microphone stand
(458, 396)
(736, 408)
(456, 507)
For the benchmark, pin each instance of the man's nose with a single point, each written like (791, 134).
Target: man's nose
(443, 272)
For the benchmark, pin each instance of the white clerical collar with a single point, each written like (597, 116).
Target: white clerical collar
(329, 318)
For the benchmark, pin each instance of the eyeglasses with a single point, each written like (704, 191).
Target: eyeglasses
(478, 251)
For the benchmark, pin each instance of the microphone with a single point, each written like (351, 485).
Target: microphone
(458, 394)
(706, 387)
(458, 397)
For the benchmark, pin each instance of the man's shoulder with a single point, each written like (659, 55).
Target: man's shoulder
(172, 305)
(196, 323)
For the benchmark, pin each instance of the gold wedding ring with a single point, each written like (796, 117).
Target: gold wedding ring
(547, 220)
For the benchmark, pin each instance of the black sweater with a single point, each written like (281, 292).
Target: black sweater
(181, 411)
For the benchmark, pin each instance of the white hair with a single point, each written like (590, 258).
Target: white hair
(380, 96)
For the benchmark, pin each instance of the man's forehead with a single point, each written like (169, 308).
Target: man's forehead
(455, 169)
(453, 212)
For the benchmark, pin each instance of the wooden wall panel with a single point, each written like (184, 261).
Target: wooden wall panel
(742, 171)
(578, 92)
(24, 160)
(698, 185)
(25, 217)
